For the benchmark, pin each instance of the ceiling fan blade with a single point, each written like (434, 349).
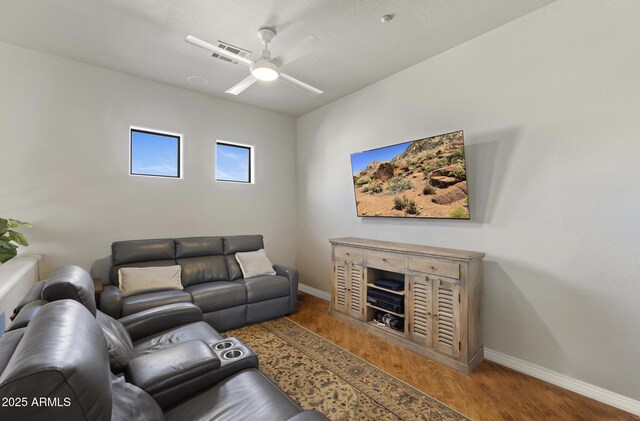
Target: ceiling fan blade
(307, 89)
(242, 85)
(305, 46)
(214, 49)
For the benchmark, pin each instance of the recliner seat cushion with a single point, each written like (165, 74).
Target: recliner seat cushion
(212, 296)
(147, 300)
(168, 338)
(247, 395)
(261, 288)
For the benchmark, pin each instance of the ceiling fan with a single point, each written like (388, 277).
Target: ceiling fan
(265, 68)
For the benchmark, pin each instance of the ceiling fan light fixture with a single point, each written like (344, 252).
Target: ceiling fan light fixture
(265, 70)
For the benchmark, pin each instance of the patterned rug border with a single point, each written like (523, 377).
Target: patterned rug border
(364, 362)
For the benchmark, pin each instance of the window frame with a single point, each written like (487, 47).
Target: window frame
(155, 132)
(250, 167)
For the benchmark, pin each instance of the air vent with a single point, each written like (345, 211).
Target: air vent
(232, 49)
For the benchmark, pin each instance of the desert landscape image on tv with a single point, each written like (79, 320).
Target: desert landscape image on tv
(424, 178)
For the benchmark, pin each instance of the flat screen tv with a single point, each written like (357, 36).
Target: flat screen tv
(424, 178)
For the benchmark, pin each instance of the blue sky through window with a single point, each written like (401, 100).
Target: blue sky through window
(360, 160)
(154, 154)
(232, 163)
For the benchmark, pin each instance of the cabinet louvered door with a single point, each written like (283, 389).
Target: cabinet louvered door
(447, 316)
(420, 310)
(340, 284)
(356, 291)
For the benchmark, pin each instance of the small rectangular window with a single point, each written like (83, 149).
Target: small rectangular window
(155, 154)
(234, 162)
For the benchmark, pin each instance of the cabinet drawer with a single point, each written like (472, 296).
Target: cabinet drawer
(435, 267)
(349, 254)
(386, 261)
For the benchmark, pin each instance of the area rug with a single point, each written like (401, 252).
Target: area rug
(320, 375)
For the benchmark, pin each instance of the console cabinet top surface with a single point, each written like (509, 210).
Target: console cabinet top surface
(407, 248)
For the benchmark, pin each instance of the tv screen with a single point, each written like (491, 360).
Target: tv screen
(424, 178)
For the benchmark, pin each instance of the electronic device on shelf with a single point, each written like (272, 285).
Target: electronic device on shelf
(389, 320)
(391, 284)
(386, 300)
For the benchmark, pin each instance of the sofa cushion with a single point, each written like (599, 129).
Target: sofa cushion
(212, 296)
(196, 270)
(264, 402)
(236, 244)
(113, 274)
(71, 282)
(198, 246)
(133, 281)
(118, 342)
(254, 263)
(168, 338)
(141, 253)
(132, 251)
(266, 287)
(144, 301)
(240, 243)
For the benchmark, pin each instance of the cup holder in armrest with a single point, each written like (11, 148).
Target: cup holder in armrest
(223, 345)
(233, 354)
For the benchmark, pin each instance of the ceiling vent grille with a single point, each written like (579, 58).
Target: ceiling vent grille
(232, 49)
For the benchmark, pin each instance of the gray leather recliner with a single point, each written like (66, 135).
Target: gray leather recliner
(57, 368)
(139, 334)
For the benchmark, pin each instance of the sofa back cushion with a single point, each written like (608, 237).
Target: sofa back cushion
(201, 259)
(71, 282)
(62, 358)
(239, 243)
(141, 253)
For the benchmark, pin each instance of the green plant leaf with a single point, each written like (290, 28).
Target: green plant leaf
(14, 223)
(5, 243)
(4, 224)
(18, 237)
(6, 255)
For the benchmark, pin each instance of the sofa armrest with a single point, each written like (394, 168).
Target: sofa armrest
(26, 314)
(35, 293)
(173, 374)
(154, 320)
(292, 275)
(310, 415)
(111, 301)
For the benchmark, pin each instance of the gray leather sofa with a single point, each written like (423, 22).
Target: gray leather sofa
(57, 368)
(211, 277)
(60, 359)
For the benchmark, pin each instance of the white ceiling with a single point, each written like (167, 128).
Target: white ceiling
(146, 38)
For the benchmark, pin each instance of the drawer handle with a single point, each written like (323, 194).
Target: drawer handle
(348, 254)
(433, 268)
(384, 260)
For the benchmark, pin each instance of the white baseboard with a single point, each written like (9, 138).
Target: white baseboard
(564, 381)
(315, 292)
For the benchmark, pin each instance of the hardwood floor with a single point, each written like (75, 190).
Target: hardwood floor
(492, 392)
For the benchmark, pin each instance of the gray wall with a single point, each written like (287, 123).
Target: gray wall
(549, 104)
(64, 141)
